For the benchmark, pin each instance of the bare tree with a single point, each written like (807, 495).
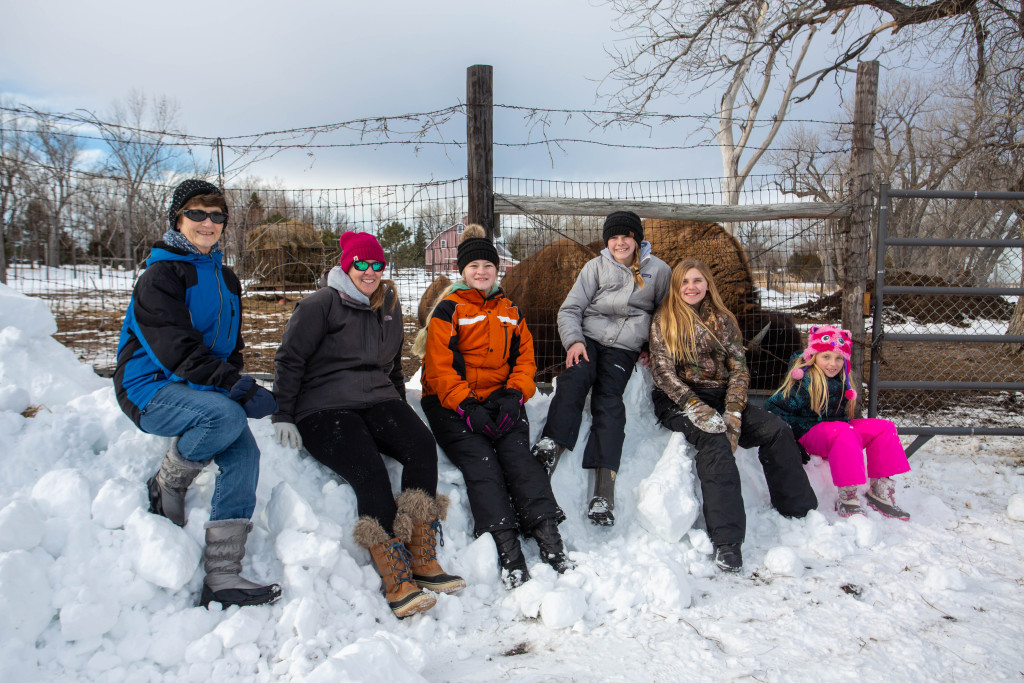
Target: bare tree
(58, 150)
(756, 51)
(140, 132)
(14, 155)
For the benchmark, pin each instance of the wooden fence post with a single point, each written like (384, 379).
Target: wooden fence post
(858, 237)
(479, 145)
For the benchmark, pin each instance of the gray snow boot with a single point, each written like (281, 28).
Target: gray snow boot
(602, 506)
(168, 486)
(222, 559)
(547, 453)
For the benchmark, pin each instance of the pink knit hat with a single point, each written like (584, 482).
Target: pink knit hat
(823, 338)
(359, 246)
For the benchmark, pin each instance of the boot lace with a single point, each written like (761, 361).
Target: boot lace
(400, 559)
(434, 537)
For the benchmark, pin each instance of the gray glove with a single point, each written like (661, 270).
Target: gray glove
(704, 417)
(288, 435)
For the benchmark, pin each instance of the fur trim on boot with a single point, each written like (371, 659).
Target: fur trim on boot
(418, 525)
(222, 559)
(391, 559)
(168, 486)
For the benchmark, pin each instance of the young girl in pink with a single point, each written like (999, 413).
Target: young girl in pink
(816, 400)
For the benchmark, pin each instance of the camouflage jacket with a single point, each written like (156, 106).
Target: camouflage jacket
(721, 362)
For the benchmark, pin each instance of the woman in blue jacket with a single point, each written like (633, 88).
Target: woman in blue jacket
(179, 374)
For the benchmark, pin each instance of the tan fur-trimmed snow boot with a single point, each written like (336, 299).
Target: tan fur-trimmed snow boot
(391, 558)
(418, 525)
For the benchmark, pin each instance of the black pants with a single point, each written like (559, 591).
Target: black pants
(507, 487)
(607, 372)
(351, 442)
(790, 492)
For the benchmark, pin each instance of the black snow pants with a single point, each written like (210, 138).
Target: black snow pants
(507, 487)
(790, 492)
(607, 372)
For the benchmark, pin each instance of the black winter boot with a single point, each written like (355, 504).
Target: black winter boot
(602, 505)
(547, 453)
(510, 555)
(550, 543)
(728, 557)
(225, 548)
(168, 486)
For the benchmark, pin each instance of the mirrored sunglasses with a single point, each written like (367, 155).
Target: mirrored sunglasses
(199, 216)
(377, 266)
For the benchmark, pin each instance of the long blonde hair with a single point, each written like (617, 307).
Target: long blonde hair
(635, 267)
(817, 387)
(679, 320)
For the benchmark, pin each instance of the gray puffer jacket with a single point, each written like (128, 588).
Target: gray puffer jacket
(606, 305)
(337, 353)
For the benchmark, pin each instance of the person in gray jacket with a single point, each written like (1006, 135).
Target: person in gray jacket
(341, 394)
(603, 323)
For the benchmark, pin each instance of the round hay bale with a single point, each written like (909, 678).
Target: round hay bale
(429, 298)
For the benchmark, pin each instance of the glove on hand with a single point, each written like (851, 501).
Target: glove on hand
(477, 418)
(288, 435)
(506, 405)
(733, 420)
(704, 417)
(257, 401)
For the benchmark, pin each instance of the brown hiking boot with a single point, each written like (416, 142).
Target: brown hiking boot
(391, 558)
(882, 499)
(418, 524)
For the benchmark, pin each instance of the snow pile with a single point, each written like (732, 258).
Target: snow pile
(92, 587)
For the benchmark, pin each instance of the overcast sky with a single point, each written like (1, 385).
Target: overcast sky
(239, 68)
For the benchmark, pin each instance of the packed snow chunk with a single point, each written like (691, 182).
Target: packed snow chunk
(1015, 507)
(25, 596)
(45, 368)
(530, 595)
(117, 499)
(867, 531)
(21, 526)
(563, 607)
(79, 620)
(204, 650)
(63, 493)
(375, 657)
(783, 561)
(944, 578)
(479, 561)
(306, 550)
(243, 626)
(31, 315)
(666, 503)
(288, 510)
(13, 398)
(666, 586)
(163, 553)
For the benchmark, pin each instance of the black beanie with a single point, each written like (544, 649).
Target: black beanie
(623, 223)
(186, 191)
(475, 249)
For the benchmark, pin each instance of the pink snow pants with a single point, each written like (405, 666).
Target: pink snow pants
(843, 444)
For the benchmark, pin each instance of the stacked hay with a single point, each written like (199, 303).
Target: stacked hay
(287, 253)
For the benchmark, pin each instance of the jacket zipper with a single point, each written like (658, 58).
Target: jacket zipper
(220, 305)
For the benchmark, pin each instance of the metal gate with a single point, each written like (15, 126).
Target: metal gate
(941, 359)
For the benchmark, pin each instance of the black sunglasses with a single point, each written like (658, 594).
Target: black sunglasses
(199, 216)
(363, 265)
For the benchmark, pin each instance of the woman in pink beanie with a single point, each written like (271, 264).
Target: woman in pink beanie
(818, 403)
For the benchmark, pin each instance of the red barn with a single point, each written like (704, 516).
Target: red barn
(442, 253)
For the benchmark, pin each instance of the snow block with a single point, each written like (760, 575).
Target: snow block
(783, 561)
(63, 493)
(25, 596)
(1015, 507)
(21, 526)
(163, 553)
(666, 500)
(117, 499)
(354, 662)
(288, 510)
(79, 620)
(563, 607)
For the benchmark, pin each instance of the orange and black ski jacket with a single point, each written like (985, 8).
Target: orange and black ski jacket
(477, 344)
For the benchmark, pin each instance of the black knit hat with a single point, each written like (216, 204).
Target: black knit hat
(186, 191)
(474, 249)
(623, 223)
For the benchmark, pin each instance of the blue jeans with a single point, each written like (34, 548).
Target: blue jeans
(210, 425)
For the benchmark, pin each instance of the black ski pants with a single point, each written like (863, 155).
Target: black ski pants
(351, 442)
(506, 486)
(790, 492)
(607, 373)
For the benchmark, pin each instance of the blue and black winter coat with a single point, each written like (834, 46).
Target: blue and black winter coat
(796, 408)
(183, 325)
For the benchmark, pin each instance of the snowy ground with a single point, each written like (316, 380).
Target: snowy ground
(94, 588)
